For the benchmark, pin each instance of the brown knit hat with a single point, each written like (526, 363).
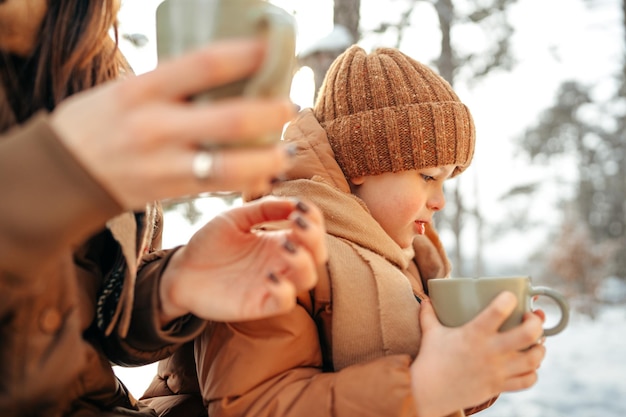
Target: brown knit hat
(386, 112)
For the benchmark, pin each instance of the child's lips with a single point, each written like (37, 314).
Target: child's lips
(420, 226)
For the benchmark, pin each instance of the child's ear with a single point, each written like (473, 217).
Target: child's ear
(357, 180)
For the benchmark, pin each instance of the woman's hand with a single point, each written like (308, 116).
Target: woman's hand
(462, 367)
(233, 270)
(139, 136)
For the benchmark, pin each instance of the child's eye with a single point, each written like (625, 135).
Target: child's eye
(427, 178)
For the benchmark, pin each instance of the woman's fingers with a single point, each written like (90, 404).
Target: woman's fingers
(274, 209)
(260, 211)
(309, 231)
(171, 170)
(281, 296)
(301, 270)
(299, 228)
(220, 63)
(234, 167)
(141, 131)
(228, 122)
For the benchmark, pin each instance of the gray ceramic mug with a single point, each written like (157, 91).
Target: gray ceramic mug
(184, 25)
(457, 300)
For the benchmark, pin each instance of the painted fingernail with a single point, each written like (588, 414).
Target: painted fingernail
(302, 207)
(272, 277)
(289, 246)
(302, 224)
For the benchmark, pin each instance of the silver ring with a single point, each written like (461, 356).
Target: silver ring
(202, 165)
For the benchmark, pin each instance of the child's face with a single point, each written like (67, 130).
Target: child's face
(403, 202)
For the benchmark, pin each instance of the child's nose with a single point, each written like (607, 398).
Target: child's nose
(437, 201)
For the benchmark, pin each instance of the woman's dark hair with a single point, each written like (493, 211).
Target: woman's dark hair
(76, 50)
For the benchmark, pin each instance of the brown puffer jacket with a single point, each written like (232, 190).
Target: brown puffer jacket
(71, 303)
(174, 390)
(345, 350)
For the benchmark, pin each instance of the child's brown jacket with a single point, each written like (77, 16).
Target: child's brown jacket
(345, 350)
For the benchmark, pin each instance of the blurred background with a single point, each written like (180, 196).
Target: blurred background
(546, 193)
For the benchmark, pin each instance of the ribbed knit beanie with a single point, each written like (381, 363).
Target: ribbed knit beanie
(386, 112)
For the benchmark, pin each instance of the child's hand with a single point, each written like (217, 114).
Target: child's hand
(465, 366)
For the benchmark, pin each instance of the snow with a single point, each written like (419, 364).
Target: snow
(338, 39)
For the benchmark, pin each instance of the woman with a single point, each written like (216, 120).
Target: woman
(83, 160)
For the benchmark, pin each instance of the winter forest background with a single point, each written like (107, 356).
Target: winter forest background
(546, 193)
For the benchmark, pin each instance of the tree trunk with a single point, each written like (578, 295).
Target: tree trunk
(346, 14)
(446, 66)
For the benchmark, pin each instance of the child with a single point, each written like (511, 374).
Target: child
(373, 154)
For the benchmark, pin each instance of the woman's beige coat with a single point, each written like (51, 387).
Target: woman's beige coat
(71, 303)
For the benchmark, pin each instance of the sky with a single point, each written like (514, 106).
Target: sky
(555, 40)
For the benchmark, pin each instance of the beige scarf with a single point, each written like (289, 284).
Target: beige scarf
(375, 312)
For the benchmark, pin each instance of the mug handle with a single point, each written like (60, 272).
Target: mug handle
(279, 28)
(562, 303)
